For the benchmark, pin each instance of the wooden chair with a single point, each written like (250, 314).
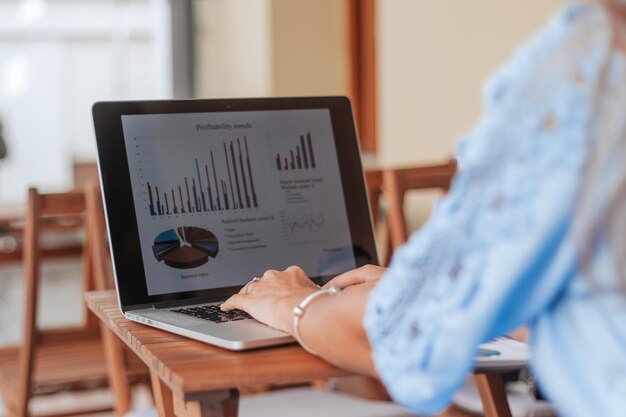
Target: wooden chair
(396, 183)
(124, 368)
(57, 360)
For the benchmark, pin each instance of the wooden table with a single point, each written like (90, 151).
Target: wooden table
(191, 378)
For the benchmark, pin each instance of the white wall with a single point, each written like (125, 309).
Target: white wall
(233, 48)
(311, 54)
(248, 48)
(56, 59)
(433, 59)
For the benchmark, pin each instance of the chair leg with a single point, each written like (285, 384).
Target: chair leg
(20, 407)
(388, 250)
(492, 395)
(10, 411)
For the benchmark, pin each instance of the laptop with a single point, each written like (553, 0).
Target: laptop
(203, 195)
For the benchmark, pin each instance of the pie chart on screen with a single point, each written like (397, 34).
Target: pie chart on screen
(185, 247)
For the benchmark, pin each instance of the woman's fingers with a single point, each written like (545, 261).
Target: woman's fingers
(346, 279)
(233, 303)
(270, 287)
(357, 276)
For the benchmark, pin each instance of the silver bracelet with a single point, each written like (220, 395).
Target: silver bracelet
(298, 312)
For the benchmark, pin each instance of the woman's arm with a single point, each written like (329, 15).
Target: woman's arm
(331, 325)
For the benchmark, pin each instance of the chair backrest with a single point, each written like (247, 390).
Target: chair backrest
(101, 265)
(60, 218)
(374, 184)
(396, 182)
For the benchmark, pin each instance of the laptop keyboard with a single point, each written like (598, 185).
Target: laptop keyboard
(213, 313)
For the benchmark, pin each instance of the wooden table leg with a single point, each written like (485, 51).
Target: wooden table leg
(163, 397)
(492, 395)
(214, 404)
(118, 382)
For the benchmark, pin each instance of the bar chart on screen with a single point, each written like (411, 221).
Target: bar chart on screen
(209, 181)
(300, 156)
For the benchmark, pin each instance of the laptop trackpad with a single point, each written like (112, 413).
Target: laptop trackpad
(249, 329)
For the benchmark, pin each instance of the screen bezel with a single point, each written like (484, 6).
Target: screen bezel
(117, 190)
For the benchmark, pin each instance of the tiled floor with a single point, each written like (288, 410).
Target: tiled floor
(60, 302)
(142, 402)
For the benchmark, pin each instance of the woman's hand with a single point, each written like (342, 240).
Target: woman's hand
(332, 326)
(271, 299)
(367, 273)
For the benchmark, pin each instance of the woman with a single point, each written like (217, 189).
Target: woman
(530, 234)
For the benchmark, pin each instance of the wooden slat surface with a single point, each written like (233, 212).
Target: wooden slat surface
(191, 369)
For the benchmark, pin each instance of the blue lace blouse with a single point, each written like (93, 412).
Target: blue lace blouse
(501, 251)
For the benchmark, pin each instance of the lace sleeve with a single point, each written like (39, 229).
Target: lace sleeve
(495, 251)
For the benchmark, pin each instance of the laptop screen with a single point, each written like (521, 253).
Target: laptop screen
(220, 197)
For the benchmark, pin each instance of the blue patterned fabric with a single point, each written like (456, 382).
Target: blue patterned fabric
(500, 250)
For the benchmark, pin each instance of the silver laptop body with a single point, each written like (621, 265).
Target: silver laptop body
(233, 335)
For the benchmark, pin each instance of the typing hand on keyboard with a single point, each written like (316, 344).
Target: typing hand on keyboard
(213, 313)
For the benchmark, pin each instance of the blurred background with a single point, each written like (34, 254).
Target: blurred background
(430, 58)
(413, 68)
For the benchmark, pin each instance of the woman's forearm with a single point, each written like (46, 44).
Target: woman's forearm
(332, 327)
